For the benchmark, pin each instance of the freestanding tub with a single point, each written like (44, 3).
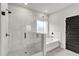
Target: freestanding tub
(51, 44)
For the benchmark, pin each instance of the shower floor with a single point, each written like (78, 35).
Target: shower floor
(21, 53)
(25, 53)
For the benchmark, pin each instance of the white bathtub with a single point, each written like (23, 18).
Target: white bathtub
(51, 44)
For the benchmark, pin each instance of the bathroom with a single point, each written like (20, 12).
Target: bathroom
(31, 30)
(28, 29)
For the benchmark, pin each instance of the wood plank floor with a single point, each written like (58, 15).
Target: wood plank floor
(61, 52)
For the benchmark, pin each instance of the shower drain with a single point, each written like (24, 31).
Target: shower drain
(25, 52)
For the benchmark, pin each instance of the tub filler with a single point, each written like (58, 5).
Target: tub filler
(51, 44)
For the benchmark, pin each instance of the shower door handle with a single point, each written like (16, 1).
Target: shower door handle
(25, 35)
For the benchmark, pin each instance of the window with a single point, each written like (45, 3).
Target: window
(41, 26)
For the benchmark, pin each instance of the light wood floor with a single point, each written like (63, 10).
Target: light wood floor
(61, 52)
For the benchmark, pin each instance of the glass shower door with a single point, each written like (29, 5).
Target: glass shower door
(33, 39)
(24, 39)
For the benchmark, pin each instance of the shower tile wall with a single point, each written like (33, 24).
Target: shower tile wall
(18, 20)
(17, 23)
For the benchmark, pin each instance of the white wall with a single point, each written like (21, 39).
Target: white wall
(57, 21)
(18, 19)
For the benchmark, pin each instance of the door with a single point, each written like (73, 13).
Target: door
(4, 29)
(72, 33)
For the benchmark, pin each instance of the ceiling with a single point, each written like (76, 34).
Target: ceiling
(48, 8)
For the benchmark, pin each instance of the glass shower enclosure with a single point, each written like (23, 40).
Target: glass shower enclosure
(27, 31)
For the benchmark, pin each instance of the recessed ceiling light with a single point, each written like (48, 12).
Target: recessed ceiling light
(25, 3)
